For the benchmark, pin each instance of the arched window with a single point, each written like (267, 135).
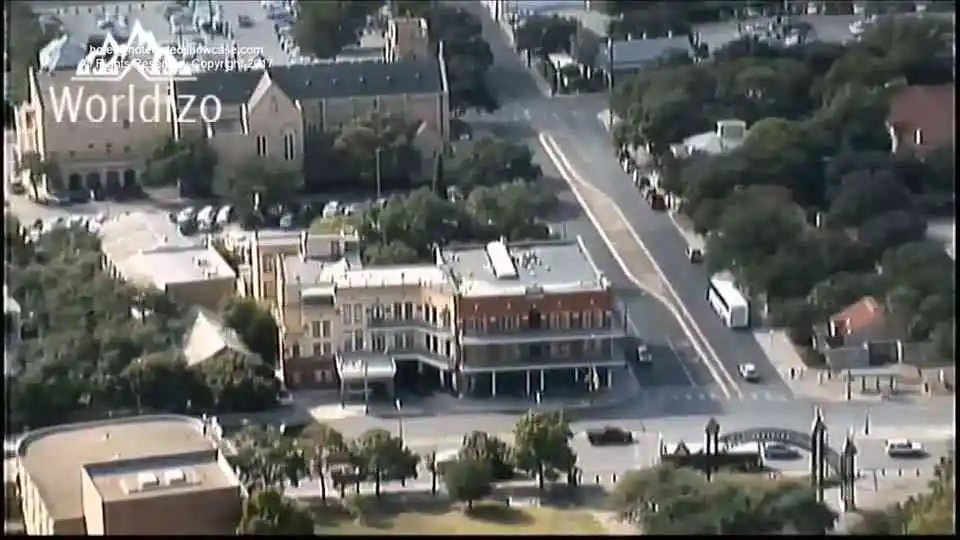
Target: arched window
(289, 146)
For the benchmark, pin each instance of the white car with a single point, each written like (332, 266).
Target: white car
(643, 354)
(748, 372)
(223, 215)
(903, 448)
(331, 209)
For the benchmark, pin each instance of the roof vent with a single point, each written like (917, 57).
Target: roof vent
(363, 80)
(418, 76)
(173, 477)
(389, 79)
(333, 81)
(147, 479)
(309, 82)
(106, 436)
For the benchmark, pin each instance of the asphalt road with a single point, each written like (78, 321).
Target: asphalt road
(426, 434)
(573, 124)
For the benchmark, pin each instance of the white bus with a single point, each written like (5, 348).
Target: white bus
(728, 302)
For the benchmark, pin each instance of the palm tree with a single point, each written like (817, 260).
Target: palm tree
(39, 169)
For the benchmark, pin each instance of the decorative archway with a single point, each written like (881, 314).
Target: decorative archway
(113, 181)
(75, 182)
(788, 437)
(93, 180)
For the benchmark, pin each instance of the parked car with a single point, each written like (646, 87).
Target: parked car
(779, 451)
(205, 218)
(695, 255)
(331, 209)
(609, 435)
(904, 448)
(224, 215)
(286, 221)
(244, 21)
(748, 372)
(643, 354)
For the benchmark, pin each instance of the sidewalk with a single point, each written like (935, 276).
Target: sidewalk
(450, 405)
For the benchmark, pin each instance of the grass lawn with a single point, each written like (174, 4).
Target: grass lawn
(331, 225)
(440, 517)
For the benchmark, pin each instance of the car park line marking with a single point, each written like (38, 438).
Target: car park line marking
(573, 179)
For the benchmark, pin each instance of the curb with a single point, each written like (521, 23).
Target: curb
(678, 310)
(514, 408)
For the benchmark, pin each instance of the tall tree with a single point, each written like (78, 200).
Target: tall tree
(40, 172)
(271, 182)
(542, 445)
(482, 446)
(467, 480)
(268, 512)
(256, 327)
(324, 29)
(381, 456)
(188, 163)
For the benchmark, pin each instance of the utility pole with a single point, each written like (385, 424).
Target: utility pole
(378, 172)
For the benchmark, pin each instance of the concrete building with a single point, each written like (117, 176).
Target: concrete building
(143, 475)
(274, 113)
(482, 320)
(728, 135)
(148, 250)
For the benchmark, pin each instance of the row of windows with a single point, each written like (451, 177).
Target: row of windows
(565, 320)
(289, 146)
(408, 311)
(557, 350)
(398, 311)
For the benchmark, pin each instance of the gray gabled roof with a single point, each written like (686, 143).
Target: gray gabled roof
(323, 81)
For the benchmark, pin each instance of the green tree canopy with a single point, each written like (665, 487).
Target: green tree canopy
(467, 480)
(542, 445)
(267, 512)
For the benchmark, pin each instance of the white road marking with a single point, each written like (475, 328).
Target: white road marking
(574, 180)
(680, 360)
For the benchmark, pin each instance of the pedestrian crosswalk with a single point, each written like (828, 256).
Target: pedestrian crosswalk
(698, 394)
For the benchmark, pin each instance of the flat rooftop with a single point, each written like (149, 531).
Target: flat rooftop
(148, 249)
(322, 275)
(55, 456)
(175, 474)
(554, 267)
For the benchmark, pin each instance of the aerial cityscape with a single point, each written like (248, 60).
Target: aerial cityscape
(479, 267)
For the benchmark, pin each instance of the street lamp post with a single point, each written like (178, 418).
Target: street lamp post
(399, 407)
(610, 83)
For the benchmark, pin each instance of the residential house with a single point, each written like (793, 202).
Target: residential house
(857, 337)
(922, 119)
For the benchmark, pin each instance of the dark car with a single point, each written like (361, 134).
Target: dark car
(244, 21)
(609, 435)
